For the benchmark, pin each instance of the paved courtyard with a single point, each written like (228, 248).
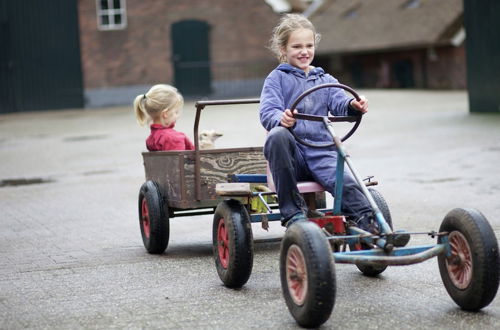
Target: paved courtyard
(71, 254)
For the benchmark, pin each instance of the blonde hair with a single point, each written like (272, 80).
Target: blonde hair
(281, 33)
(159, 99)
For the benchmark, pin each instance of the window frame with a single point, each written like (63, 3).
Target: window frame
(110, 12)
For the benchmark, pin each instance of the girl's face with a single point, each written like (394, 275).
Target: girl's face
(299, 50)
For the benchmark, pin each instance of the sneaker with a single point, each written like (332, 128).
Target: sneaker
(367, 223)
(296, 218)
(315, 214)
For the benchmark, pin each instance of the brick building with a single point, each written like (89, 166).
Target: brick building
(206, 49)
(393, 43)
(71, 54)
(86, 53)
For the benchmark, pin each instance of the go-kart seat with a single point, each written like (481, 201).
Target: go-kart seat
(307, 188)
(303, 186)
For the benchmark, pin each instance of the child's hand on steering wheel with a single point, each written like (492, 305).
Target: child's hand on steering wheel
(287, 120)
(361, 105)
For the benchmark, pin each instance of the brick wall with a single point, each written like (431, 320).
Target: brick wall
(438, 68)
(141, 53)
(448, 69)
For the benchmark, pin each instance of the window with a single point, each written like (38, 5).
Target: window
(111, 14)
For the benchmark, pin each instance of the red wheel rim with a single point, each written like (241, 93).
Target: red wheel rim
(223, 243)
(459, 264)
(146, 224)
(296, 274)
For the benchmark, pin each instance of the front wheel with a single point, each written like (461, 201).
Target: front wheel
(232, 243)
(470, 272)
(307, 273)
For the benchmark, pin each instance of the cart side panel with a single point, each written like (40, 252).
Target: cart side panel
(216, 165)
(166, 169)
(174, 171)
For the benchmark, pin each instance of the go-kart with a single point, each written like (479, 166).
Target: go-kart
(466, 248)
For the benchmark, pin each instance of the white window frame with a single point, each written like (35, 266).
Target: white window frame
(110, 13)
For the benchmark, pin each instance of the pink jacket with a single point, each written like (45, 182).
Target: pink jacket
(164, 138)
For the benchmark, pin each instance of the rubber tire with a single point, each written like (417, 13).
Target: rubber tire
(321, 286)
(485, 259)
(157, 208)
(240, 243)
(369, 270)
(382, 205)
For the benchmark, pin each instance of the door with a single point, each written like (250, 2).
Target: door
(403, 73)
(40, 61)
(483, 53)
(191, 61)
(6, 95)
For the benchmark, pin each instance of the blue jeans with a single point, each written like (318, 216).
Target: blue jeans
(290, 162)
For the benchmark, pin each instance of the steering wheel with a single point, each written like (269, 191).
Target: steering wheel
(356, 119)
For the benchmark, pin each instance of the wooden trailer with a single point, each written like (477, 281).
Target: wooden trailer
(183, 183)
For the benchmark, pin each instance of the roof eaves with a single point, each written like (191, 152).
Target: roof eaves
(347, 35)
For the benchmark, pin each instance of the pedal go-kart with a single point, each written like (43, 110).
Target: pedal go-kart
(228, 184)
(466, 248)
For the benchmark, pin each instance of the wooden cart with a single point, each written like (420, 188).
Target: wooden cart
(183, 183)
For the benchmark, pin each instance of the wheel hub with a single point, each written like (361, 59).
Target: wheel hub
(296, 274)
(223, 244)
(459, 264)
(146, 223)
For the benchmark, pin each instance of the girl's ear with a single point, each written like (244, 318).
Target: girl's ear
(169, 116)
(165, 118)
(283, 55)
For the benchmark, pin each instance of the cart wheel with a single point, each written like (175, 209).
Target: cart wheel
(153, 218)
(369, 270)
(471, 273)
(232, 243)
(307, 272)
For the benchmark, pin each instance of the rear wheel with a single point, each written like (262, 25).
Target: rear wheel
(370, 270)
(232, 243)
(471, 272)
(307, 273)
(153, 218)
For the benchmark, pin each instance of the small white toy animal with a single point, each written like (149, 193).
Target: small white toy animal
(207, 139)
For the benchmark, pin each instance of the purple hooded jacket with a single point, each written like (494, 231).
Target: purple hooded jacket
(282, 87)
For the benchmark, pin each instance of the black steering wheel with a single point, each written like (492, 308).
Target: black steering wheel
(352, 119)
